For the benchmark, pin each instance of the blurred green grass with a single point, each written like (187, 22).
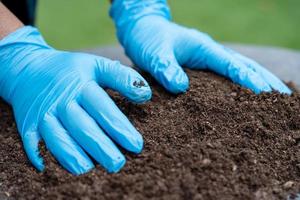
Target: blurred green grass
(72, 24)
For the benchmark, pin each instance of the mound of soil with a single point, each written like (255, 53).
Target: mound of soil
(217, 141)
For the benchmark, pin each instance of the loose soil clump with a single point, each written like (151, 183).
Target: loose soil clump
(217, 141)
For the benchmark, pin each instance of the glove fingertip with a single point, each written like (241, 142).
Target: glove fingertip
(254, 82)
(286, 90)
(31, 147)
(36, 160)
(179, 83)
(140, 91)
(116, 165)
(138, 144)
(81, 169)
(35, 157)
(283, 90)
(40, 165)
(77, 163)
(132, 140)
(258, 90)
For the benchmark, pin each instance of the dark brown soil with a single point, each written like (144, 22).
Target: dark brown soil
(217, 141)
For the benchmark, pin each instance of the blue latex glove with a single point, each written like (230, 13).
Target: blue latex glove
(161, 47)
(58, 97)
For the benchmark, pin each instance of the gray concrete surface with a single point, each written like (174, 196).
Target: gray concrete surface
(282, 62)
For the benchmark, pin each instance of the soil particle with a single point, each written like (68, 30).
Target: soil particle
(139, 84)
(217, 141)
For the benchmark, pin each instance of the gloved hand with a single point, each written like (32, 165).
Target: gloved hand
(58, 97)
(161, 47)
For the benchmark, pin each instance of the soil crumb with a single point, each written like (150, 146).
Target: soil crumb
(217, 141)
(139, 84)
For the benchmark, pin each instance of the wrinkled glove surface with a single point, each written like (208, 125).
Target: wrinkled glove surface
(59, 97)
(162, 48)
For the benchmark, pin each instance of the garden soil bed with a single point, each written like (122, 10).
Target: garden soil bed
(217, 141)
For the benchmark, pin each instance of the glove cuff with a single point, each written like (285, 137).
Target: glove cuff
(126, 13)
(15, 49)
(23, 35)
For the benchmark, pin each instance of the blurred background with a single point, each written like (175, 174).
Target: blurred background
(77, 24)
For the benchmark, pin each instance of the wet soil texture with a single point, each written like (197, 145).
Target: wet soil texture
(217, 141)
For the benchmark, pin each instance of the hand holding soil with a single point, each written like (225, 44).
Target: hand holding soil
(57, 97)
(162, 48)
